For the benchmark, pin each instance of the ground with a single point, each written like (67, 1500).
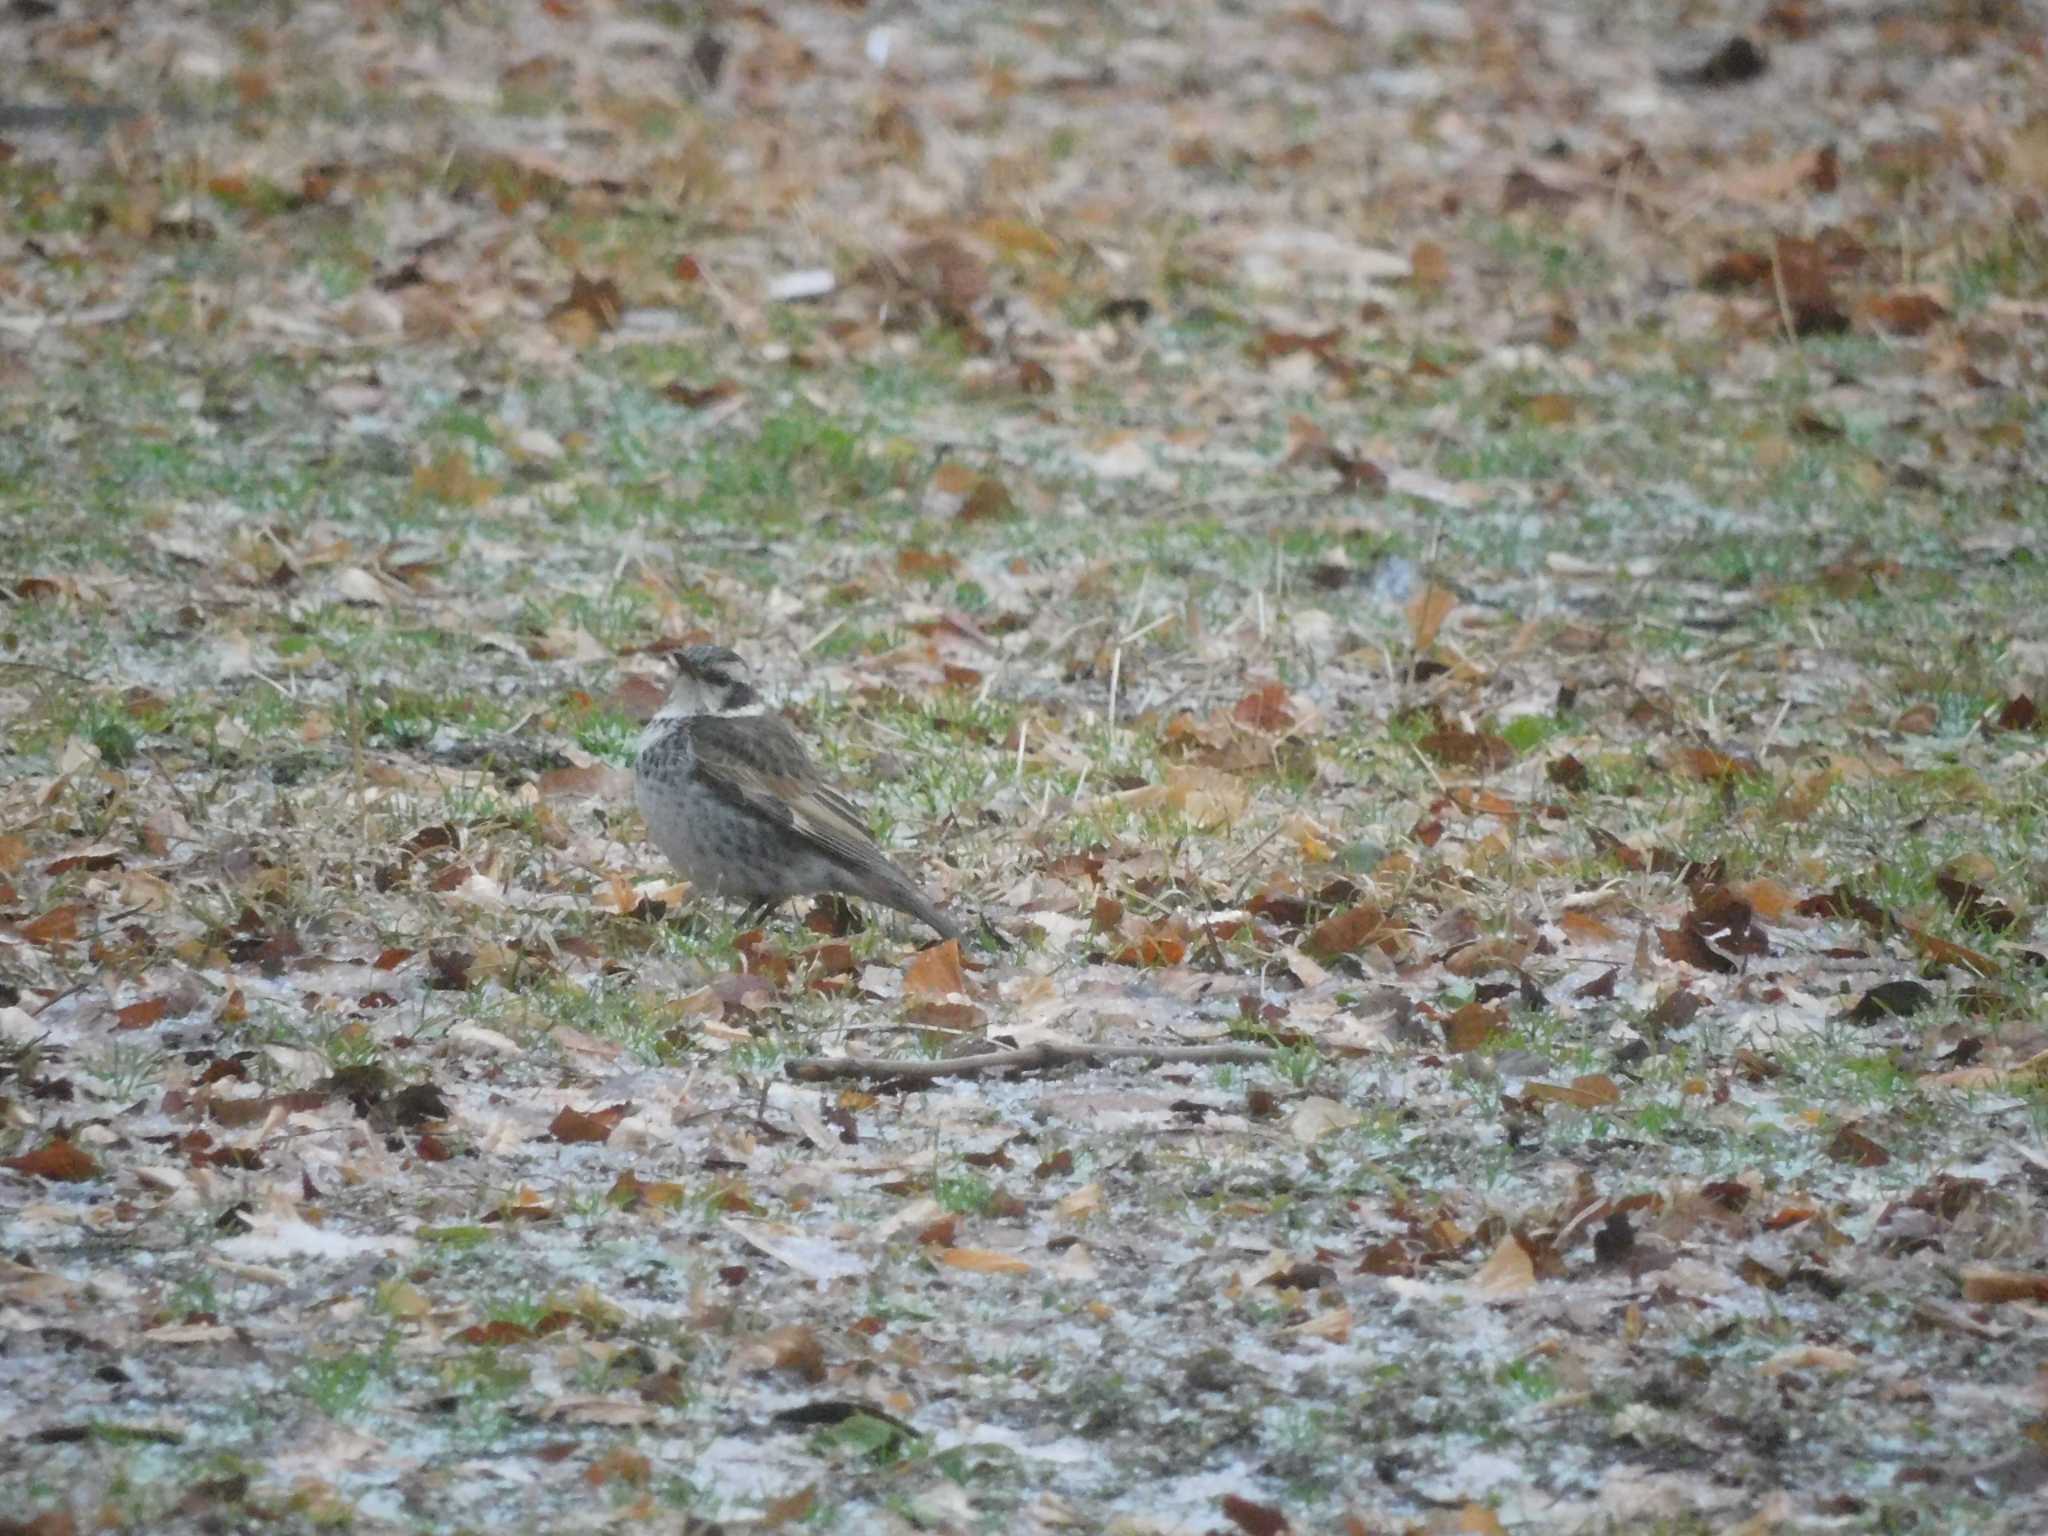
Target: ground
(1464, 584)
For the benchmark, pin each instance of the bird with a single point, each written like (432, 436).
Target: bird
(734, 801)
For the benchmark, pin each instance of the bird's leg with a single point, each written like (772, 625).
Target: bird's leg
(757, 913)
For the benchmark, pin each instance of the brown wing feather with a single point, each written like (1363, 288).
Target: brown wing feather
(767, 772)
(759, 766)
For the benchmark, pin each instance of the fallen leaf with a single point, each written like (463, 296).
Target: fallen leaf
(1427, 611)
(1472, 1027)
(59, 925)
(141, 1015)
(452, 480)
(1345, 932)
(1991, 1286)
(984, 1261)
(1254, 1519)
(1316, 1117)
(1851, 1146)
(692, 398)
(1811, 1357)
(1509, 1271)
(59, 1160)
(1904, 313)
(574, 1125)
(1801, 280)
(935, 973)
(1593, 1091)
(953, 278)
(1469, 749)
(1429, 265)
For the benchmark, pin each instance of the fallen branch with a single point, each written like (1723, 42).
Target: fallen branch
(1031, 1058)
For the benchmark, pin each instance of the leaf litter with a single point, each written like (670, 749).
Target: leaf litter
(1463, 589)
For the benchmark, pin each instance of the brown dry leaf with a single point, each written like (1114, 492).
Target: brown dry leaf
(957, 491)
(1710, 767)
(1550, 410)
(1332, 1324)
(1851, 1146)
(1487, 957)
(629, 1190)
(637, 697)
(59, 925)
(2026, 1074)
(1427, 611)
(1252, 1518)
(598, 781)
(912, 561)
(1266, 708)
(949, 275)
(452, 480)
(1084, 1202)
(2020, 713)
(141, 1015)
(60, 1160)
(1903, 313)
(1813, 170)
(593, 306)
(1164, 942)
(1769, 899)
(1209, 798)
(1469, 749)
(796, 1348)
(1269, 346)
(676, 392)
(1737, 269)
(1031, 377)
(1588, 927)
(984, 1261)
(1472, 1027)
(1800, 277)
(1346, 932)
(1811, 1357)
(1991, 1286)
(1510, 1271)
(1947, 952)
(2026, 154)
(788, 1509)
(1014, 237)
(1594, 1091)
(935, 973)
(574, 1125)
(1429, 265)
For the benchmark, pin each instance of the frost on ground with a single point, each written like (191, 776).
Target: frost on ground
(1460, 585)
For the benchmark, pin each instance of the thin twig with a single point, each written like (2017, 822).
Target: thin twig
(1033, 1058)
(40, 666)
(1784, 298)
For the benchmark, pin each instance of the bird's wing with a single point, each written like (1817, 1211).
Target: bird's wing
(758, 765)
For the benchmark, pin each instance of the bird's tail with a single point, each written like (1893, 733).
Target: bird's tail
(908, 899)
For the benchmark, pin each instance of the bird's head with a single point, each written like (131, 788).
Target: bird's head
(709, 680)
